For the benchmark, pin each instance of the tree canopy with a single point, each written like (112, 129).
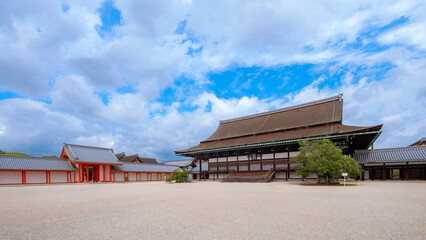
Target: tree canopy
(17, 154)
(324, 158)
(180, 175)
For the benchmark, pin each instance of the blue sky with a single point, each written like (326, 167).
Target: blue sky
(151, 77)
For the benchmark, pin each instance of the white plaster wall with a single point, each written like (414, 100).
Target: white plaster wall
(293, 175)
(293, 154)
(280, 175)
(268, 156)
(254, 167)
(281, 155)
(119, 177)
(243, 168)
(107, 173)
(11, 177)
(132, 176)
(222, 159)
(144, 176)
(232, 159)
(268, 166)
(58, 177)
(212, 160)
(366, 174)
(36, 177)
(243, 158)
(232, 168)
(101, 173)
(281, 165)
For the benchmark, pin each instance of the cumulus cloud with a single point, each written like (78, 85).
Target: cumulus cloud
(52, 51)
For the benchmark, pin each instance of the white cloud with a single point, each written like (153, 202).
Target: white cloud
(49, 53)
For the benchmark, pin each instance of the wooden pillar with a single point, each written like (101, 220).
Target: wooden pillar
(261, 162)
(275, 163)
(238, 165)
(227, 165)
(201, 168)
(425, 173)
(217, 168)
(248, 161)
(406, 171)
(391, 174)
(363, 173)
(383, 172)
(288, 166)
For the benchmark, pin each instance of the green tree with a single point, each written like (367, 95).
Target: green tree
(2, 152)
(17, 153)
(180, 175)
(50, 156)
(324, 158)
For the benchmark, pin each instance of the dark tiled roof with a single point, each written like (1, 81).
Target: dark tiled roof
(130, 158)
(323, 111)
(317, 131)
(180, 163)
(11, 162)
(420, 142)
(87, 154)
(119, 156)
(144, 167)
(147, 160)
(391, 155)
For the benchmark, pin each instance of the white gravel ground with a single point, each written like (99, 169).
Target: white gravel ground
(213, 210)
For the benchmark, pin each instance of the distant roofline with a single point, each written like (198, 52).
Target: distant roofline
(47, 158)
(156, 164)
(419, 141)
(179, 160)
(78, 145)
(387, 149)
(334, 98)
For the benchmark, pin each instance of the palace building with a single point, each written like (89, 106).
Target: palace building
(79, 164)
(263, 143)
(404, 163)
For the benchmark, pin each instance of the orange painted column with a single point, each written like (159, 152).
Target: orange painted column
(79, 173)
(24, 177)
(87, 172)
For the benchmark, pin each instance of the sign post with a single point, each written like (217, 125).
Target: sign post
(344, 178)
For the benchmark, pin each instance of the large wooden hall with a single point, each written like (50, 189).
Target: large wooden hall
(264, 143)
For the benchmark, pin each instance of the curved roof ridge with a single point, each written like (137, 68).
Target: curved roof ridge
(78, 145)
(334, 98)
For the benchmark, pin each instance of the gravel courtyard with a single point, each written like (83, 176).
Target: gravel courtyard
(213, 210)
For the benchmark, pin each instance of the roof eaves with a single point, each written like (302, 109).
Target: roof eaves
(272, 143)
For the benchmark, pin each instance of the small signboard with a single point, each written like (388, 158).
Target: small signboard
(344, 174)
